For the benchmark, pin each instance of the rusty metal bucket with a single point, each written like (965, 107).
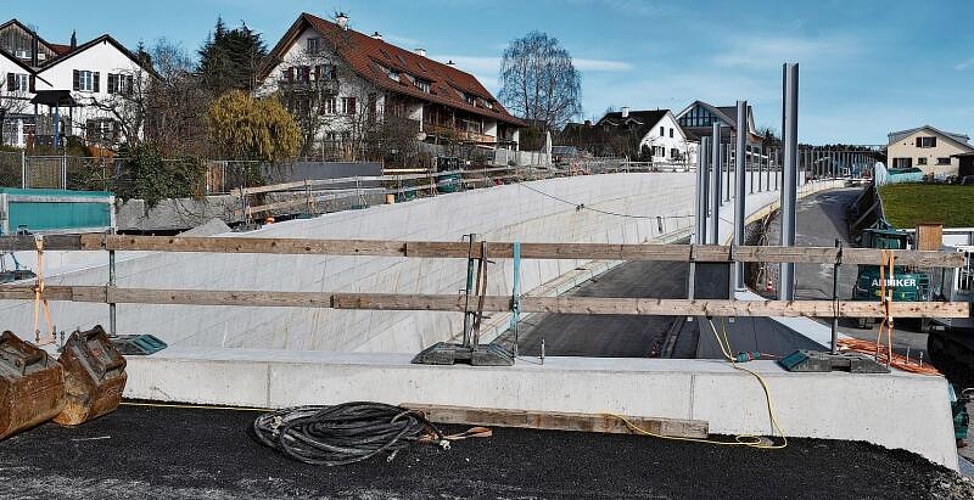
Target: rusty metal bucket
(94, 377)
(31, 385)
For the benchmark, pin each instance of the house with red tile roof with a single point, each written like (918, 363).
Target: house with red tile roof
(342, 77)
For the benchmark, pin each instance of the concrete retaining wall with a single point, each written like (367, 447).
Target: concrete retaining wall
(898, 410)
(613, 208)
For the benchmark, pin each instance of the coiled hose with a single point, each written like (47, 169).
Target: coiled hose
(346, 433)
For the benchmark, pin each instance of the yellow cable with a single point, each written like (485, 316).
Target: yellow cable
(749, 440)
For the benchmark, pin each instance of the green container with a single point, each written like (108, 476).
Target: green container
(448, 183)
(55, 210)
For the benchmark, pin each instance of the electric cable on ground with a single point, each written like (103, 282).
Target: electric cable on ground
(350, 432)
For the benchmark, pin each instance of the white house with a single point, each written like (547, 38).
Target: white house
(335, 78)
(657, 130)
(928, 148)
(86, 87)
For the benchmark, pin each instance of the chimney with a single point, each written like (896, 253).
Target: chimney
(35, 47)
(342, 20)
(588, 123)
(74, 39)
(451, 64)
(377, 36)
(421, 52)
(625, 111)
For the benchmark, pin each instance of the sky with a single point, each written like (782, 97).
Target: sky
(867, 67)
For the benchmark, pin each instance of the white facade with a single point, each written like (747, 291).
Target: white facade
(927, 148)
(337, 118)
(669, 142)
(96, 60)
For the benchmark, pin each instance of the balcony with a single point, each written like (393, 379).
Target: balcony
(458, 134)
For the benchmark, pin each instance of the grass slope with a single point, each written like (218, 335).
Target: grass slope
(907, 204)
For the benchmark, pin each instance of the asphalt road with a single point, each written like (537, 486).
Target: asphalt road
(820, 221)
(180, 454)
(611, 335)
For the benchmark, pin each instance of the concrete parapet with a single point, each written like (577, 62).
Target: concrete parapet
(897, 410)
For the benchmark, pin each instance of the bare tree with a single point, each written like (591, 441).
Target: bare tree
(539, 82)
(13, 97)
(176, 102)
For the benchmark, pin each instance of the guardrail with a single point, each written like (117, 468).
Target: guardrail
(111, 294)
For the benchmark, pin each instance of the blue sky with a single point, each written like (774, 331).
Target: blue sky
(867, 66)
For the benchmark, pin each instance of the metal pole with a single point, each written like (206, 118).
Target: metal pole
(715, 188)
(700, 237)
(728, 186)
(23, 170)
(835, 299)
(112, 281)
(740, 211)
(789, 126)
(467, 291)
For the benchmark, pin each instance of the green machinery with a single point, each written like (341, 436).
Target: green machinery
(907, 284)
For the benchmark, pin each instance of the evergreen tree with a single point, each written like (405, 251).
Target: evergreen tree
(230, 57)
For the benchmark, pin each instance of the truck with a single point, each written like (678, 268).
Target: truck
(907, 284)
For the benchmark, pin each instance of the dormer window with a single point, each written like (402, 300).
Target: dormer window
(471, 100)
(423, 85)
(394, 75)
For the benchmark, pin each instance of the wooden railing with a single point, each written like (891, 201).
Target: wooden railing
(495, 250)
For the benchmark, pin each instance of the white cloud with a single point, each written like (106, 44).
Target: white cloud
(965, 65)
(601, 65)
(755, 52)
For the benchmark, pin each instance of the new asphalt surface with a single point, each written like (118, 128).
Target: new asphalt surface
(148, 453)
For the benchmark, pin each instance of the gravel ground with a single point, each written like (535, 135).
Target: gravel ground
(142, 453)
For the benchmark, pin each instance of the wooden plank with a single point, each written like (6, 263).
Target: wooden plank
(498, 250)
(560, 421)
(455, 303)
(274, 206)
(269, 188)
(293, 246)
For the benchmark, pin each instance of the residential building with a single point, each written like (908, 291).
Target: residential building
(335, 78)
(930, 149)
(50, 91)
(634, 134)
(698, 119)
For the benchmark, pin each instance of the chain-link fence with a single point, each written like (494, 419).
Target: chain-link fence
(11, 169)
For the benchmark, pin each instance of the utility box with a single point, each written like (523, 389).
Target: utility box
(94, 377)
(31, 386)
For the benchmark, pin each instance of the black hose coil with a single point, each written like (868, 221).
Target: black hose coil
(343, 434)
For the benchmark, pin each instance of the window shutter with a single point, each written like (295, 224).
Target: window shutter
(32, 83)
(129, 84)
(10, 82)
(77, 81)
(318, 72)
(334, 72)
(95, 76)
(290, 75)
(112, 83)
(933, 142)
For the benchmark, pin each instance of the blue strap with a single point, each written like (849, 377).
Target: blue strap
(516, 293)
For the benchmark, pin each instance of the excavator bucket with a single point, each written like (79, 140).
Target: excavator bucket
(94, 375)
(31, 386)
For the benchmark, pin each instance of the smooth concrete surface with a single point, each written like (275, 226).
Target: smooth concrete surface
(897, 410)
(625, 206)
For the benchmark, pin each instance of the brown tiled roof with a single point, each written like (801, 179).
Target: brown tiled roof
(367, 56)
(59, 49)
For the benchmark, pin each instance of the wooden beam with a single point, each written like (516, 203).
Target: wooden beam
(496, 250)
(560, 421)
(270, 188)
(455, 303)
